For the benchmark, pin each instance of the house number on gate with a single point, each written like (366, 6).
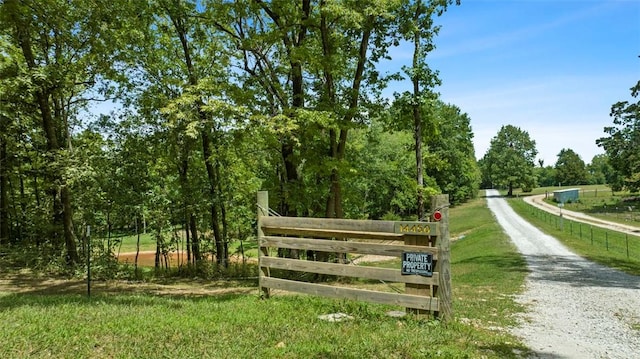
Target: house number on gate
(415, 228)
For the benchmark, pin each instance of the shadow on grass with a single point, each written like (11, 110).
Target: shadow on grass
(511, 263)
(579, 272)
(24, 289)
(511, 350)
(170, 302)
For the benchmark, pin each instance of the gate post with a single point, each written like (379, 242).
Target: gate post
(263, 211)
(443, 265)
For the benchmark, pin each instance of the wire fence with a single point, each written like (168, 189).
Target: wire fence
(622, 244)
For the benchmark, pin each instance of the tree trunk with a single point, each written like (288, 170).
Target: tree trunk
(214, 198)
(195, 239)
(223, 217)
(292, 40)
(135, 262)
(417, 115)
(179, 24)
(338, 144)
(62, 205)
(187, 231)
(193, 243)
(69, 234)
(4, 200)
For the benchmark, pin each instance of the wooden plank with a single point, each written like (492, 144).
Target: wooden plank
(345, 270)
(349, 225)
(263, 212)
(391, 250)
(405, 300)
(422, 290)
(443, 266)
(330, 223)
(330, 233)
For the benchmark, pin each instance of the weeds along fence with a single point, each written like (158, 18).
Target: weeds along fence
(621, 244)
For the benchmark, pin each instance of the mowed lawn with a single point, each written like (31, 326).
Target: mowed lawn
(151, 321)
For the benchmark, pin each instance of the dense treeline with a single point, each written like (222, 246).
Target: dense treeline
(510, 163)
(215, 100)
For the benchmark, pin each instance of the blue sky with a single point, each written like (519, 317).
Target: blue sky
(551, 68)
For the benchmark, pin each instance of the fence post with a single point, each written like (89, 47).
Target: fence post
(88, 261)
(580, 230)
(591, 227)
(263, 211)
(606, 239)
(443, 265)
(626, 238)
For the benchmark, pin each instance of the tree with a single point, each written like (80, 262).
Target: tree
(509, 162)
(450, 157)
(416, 26)
(382, 183)
(62, 55)
(546, 176)
(623, 142)
(570, 168)
(599, 170)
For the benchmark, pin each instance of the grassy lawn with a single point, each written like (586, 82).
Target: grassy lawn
(609, 248)
(598, 201)
(128, 243)
(486, 271)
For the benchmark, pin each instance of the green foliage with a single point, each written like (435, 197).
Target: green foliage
(383, 173)
(215, 319)
(451, 157)
(570, 169)
(214, 100)
(546, 176)
(509, 162)
(622, 144)
(599, 170)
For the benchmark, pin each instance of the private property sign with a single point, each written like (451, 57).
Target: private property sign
(417, 263)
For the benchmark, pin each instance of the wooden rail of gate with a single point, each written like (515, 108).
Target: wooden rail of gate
(423, 294)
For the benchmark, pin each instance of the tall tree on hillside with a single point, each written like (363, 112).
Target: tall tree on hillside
(417, 27)
(622, 144)
(509, 162)
(570, 168)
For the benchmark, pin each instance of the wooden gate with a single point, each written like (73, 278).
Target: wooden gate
(422, 246)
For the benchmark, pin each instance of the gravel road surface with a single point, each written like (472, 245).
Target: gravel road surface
(576, 308)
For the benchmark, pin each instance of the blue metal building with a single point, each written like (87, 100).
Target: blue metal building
(566, 195)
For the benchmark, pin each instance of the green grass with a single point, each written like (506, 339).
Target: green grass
(486, 272)
(609, 248)
(598, 201)
(233, 326)
(540, 190)
(128, 243)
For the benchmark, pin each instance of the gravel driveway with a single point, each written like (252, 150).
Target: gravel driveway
(576, 308)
